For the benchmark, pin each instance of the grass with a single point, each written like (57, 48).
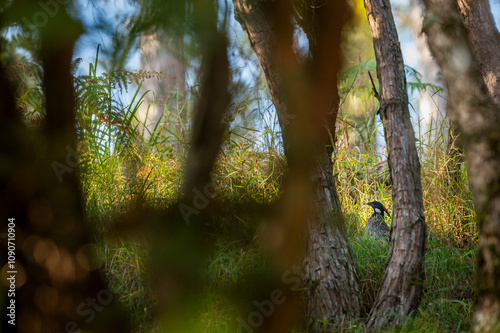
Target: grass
(119, 178)
(448, 296)
(245, 172)
(123, 171)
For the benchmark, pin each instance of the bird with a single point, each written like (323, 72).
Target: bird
(376, 227)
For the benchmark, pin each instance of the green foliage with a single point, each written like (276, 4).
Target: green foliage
(452, 235)
(361, 69)
(370, 256)
(358, 105)
(243, 171)
(124, 164)
(26, 77)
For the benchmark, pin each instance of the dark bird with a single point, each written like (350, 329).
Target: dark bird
(376, 227)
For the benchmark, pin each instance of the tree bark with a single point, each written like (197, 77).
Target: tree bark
(432, 107)
(471, 107)
(305, 97)
(484, 40)
(328, 262)
(401, 287)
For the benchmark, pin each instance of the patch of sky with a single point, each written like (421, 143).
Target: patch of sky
(495, 10)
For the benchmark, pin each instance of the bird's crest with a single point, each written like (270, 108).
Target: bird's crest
(378, 208)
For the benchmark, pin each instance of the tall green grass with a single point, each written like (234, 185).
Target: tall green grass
(245, 170)
(123, 169)
(448, 296)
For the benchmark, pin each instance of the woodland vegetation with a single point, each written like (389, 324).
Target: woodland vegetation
(224, 187)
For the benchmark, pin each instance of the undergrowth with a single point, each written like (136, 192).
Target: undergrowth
(244, 172)
(248, 171)
(123, 169)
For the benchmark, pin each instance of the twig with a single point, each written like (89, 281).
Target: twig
(375, 92)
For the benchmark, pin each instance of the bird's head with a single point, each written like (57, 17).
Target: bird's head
(378, 208)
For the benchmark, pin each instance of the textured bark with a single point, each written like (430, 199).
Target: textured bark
(478, 118)
(401, 287)
(257, 21)
(55, 280)
(305, 98)
(484, 40)
(335, 294)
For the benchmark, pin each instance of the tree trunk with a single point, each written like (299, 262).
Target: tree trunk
(163, 53)
(401, 287)
(484, 40)
(211, 107)
(478, 118)
(432, 107)
(335, 298)
(306, 99)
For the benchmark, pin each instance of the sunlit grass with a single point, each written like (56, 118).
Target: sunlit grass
(116, 180)
(242, 171)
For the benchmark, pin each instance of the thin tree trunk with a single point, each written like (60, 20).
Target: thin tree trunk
(212, 105)
(401, 288)
(432, 107)
(478, 118)
(484, 40)
(163, 53)
(305, 98)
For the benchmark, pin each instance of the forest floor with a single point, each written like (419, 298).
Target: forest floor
(247, 178)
